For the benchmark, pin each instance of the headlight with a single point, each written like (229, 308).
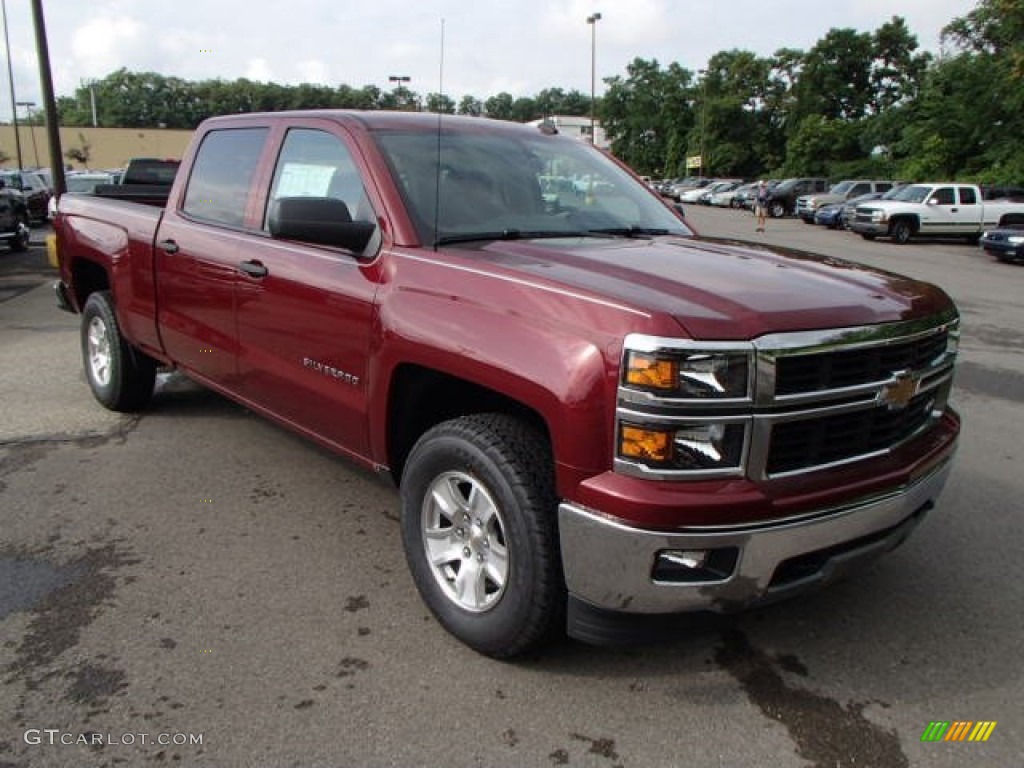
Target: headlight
(689, 375)
(878, 216)
(709, 446)
(1015, 239)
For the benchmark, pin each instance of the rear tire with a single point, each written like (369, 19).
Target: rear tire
(19, 242)
(480, 533)
(121, 378)
(777, 210)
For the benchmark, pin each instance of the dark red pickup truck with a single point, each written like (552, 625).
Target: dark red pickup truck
(591, 413)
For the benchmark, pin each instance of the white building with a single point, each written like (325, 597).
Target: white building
(578, 127)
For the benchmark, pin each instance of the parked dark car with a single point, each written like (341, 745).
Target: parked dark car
(13, 219)
(33, 189)
(782, 200)
(830, 215)
(1005, 243)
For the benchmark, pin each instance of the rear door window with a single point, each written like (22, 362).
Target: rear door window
(218, 188)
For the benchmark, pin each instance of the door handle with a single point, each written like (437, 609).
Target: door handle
(954, 210)
(254, 268)
(169, 246)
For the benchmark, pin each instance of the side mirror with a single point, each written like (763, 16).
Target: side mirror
(320, 220)
(680, 209)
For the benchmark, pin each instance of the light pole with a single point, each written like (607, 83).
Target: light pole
(400, 80)
(592, 21)
(703, 115)
(10, 78)
(31, 128)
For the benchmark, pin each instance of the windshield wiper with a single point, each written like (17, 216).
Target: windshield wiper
(631, 231)
(517, 234)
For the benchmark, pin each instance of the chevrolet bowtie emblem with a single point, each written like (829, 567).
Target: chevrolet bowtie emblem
(896, 394)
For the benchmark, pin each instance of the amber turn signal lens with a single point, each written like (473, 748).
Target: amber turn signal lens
(646, 370)
(646, 444)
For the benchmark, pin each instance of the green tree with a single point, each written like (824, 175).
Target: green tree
(472, 106)
(648, 115)
(500, 106)
(439, 103)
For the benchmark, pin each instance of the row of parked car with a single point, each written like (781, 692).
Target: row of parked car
(990, 215)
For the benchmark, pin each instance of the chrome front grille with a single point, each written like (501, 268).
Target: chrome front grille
(846, 368)
(828, 440)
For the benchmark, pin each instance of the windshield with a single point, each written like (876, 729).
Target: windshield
(840, 188)
(505, 185)
(911, 194)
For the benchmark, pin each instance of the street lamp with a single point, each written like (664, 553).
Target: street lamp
(592, 21)
(703, 115)
(31, 127)
(400, 81)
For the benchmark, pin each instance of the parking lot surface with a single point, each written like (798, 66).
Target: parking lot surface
(196, 586)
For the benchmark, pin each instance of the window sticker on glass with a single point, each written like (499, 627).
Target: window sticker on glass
(304, 180)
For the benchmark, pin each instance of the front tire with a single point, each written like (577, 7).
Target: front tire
(121, 378)
(480, 534)
(900, 232)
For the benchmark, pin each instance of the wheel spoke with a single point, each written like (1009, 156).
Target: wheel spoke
(496, 566)
(443, 546)
(447, 499)
(470, 585)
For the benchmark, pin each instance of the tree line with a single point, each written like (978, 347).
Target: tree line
(855, 104)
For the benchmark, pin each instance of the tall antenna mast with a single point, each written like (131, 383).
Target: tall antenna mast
(437, 165)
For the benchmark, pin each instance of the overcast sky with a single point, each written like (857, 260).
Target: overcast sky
(519, 46)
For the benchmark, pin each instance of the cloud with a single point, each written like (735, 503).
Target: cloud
(101, 45)
(313, 71)
(258, 70)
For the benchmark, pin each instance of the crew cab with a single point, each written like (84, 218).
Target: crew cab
(936, 210)
(591, 414)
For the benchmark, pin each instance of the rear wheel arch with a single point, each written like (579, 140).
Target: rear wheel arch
(88, 277)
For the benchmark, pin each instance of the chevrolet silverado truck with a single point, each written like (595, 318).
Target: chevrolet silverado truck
(935, 210)
(591, 414)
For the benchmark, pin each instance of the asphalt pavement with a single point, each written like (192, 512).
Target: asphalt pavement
(195, 586)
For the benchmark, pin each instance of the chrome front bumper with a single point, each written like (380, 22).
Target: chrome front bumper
(611, 566)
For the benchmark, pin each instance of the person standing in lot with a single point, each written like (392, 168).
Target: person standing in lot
(761, 205)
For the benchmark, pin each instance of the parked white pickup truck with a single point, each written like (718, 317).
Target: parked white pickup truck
(938, 210)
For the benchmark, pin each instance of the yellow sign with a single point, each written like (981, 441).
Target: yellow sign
(694, 161)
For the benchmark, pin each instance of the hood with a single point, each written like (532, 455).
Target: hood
(719, 289)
